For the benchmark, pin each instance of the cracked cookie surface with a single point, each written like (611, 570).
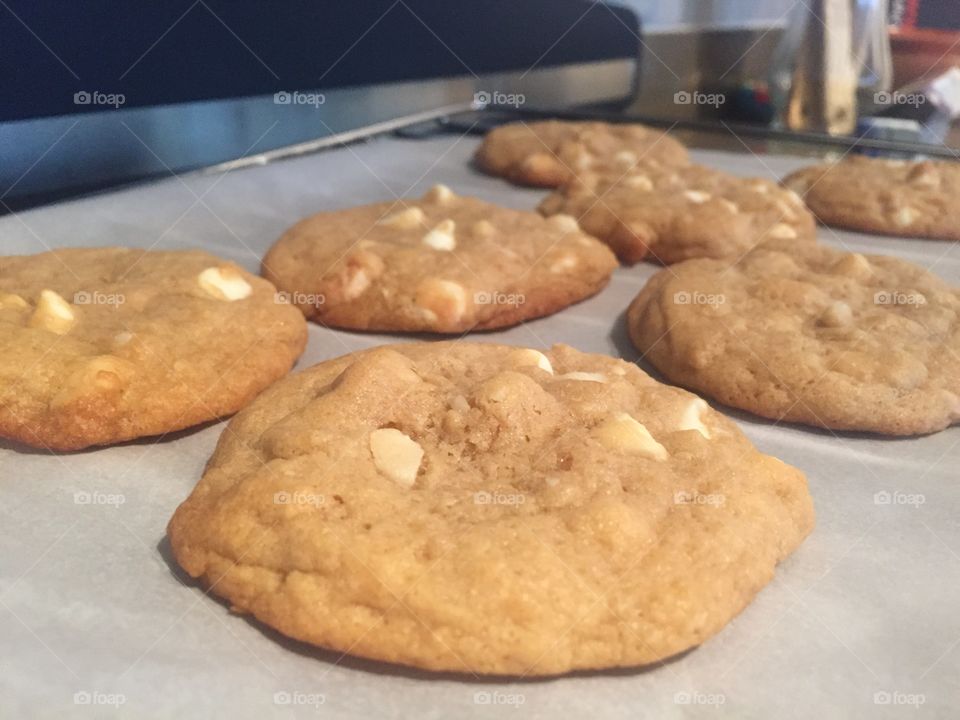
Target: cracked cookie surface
(888, 197)
(489, 509)
(818, 336)
(103, 345)
(550, 153)
(441, 263)
(667, 214)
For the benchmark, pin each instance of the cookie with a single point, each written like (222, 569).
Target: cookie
(549, 153)
(887, 197)
(443, 264)
(809, 334)
(671, 214)
(487, 509)
(102, 345)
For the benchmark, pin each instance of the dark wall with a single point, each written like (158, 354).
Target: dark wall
(182, 50)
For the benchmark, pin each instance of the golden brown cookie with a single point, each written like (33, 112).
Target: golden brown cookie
(888, 197)
(669, 214)
(442, 263)
(102, 345)
(549, 153)
(488, 509)
(813, 335)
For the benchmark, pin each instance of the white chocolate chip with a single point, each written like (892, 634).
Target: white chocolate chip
(409, 218)
(357, 283)
(122, 338)
(53, 313)
(794, 199)
(622, 433)
(224, 283)
(691, 419)
(563, 264)
(107, 372)
(639, 182)
(527, 356)
(564, 223)
(440, 194)
(782, 231)
(442, 236)
(853, 265)
(459, 403)
(625, 158)
(906, 216)
(696, 196)
(584, 376)
(730, 206)
(760, 187)
(838, 314)
(444, 299)
(396, 455)
(10, 300)
(483, 229)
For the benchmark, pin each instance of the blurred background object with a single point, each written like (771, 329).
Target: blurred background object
(831, 55)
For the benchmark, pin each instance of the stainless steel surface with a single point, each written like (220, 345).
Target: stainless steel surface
(60, 153)
(344, 138)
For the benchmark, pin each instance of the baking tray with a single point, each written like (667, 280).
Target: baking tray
(863, 621)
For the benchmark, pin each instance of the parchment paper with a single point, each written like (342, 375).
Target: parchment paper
(862, 622)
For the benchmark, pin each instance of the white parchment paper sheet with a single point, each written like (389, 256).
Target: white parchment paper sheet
(862, 622)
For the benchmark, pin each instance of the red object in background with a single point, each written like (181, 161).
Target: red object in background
(909, 19)
(920, 53)
(925, 39)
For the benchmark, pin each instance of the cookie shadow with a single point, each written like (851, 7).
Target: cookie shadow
(170, 437)
(620, 337)
(376, 667)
